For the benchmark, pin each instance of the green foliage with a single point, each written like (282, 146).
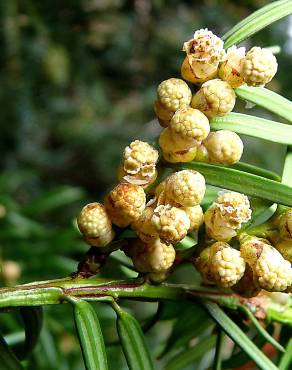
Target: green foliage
(254, 126)
(32, 319)
(77, 85)
(133, 342)
(267, 99)
(90, 335)
(238, 336)
(257, 21)
(8, 358)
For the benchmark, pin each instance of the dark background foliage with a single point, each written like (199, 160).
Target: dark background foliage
(77, 84)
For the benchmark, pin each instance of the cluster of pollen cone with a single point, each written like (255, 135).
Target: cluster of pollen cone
(161, 215)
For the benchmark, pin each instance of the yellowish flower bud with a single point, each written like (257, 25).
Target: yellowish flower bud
(95, 225)
(273, 272)
(174, 94)
(158, 277)
(259, 67)
(202, 263)
(144, 227)
(161, 198)
(251, 248)
(216, 227)
(226, 215)
(163, 114)
(171, 223)
(215, 98)
(204, 52)
(175, 148)
(139, 163)
(221, 264)
(190, 123)
(224, 147)
(154, 257)
(235, 207)
(186, 188)
(227, 267)
(285, 224)
(195, 215)
(202, 154)
(230, 70)
(284, 246)
(125, 204)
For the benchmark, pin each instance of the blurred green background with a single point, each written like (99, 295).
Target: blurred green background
(77, 84)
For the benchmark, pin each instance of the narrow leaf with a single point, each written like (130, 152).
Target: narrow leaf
(254, 126)
(8, 360)
(246, 167)
(133, 342)
(191, 322)
(191, 354)
(239, 337)
(257, 21)
(33, 319)
(253, 15)
(240, 358)
(267, 99)
(229, 178)
(90, 335)
(286, 359)
(219, 349)
(261, 330)
(287, 170)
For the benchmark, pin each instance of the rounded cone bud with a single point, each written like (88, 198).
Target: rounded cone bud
(186, 187)
(227, 267)
(160, 195)
(171, 223)
(284, 246)
(175, 148)
(204, 52)
(285, 224)
(259, 67)
(95, 225)
(231, 69)
(196, 217)
(125, 204)
(226, 215)
(215, 98)
(174, 94)
(158, 277)
(272, 271)
(202, 154)
(154, 257)
(139, 163)
(224, 147)
(190, 124)
(251, 248)
(203, 262)
(163, 114)
(216, 225)
(144, 227)
(161, 256)
(221, 264)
